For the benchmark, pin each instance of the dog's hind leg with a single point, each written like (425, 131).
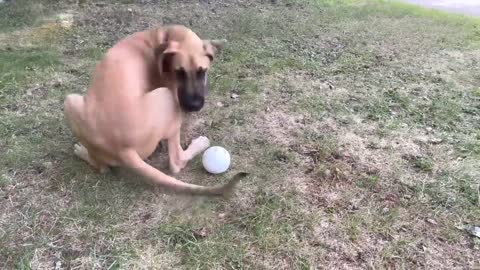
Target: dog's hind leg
(73, 110)
(83, 153)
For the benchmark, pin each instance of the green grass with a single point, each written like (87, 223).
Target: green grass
(17, 66)
(18, 14)
(471, 147)
(346, 89)
(424, 164)
(24, 263)
(369, 182)
(454, 190)
(203, 251)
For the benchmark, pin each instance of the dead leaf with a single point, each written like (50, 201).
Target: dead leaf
(202, 232)
(473, 230)
(431, 221)
(435, 140)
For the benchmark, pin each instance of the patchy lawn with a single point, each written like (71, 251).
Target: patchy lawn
(359, 122)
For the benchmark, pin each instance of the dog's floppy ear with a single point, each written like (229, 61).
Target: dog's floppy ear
(165, 54)
(213, 47)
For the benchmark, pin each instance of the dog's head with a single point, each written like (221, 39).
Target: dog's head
(187, 60)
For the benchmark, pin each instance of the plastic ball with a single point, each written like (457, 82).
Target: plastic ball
(216, 159)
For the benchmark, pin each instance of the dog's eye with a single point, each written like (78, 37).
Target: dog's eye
(210, 57)
(181, 73)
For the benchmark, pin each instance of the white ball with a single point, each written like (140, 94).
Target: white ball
(216, 160)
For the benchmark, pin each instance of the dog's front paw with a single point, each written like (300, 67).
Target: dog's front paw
(201, 143)
(80, 151)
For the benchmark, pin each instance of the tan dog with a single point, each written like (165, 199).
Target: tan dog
(140, 90)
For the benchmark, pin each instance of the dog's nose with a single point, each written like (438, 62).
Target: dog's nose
(197, 103)
(193, 103)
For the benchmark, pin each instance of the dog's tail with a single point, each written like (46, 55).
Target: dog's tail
(132, 160)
